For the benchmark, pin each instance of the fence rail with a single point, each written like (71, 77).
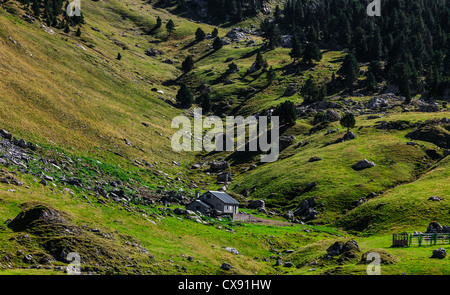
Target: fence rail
(406, 240)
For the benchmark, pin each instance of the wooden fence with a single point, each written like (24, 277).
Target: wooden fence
(405, 240)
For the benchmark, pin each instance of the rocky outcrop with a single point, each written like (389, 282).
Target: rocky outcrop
(435, 227)
(340, 248)
(305, 210)
(433, 133)
(219, 166)
(256, 204)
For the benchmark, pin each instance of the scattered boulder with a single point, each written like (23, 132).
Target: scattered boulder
(434, 198)
(439, 253)
(179, 211)
(429, 107)
(289, 215)
(153, 52)
(288, 264)
(256, 204)
(169, 61)
(315, 159)
(224, 177)
(278, 262)
(349, 135)
(363, 164)
(286, 41)
(286, 140)
(219, 166)
(5, 134)
(328, 116)
(225, 266)
(435, 227)
(232, 250)
(305, 210)
(38, 214)
(376, 103)
(236, 35)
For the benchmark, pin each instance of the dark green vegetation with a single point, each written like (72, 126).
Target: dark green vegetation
(97, 96)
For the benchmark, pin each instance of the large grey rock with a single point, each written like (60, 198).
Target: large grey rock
(363, 164)
(315, 159)
(439, 253)
(279, 262)
(5, 134)
(236, 34)
(429, 107)
(349, 135)
(219, 166)
(232, 250)
(376, 103)
(305, 210)
(286, 41)
(224, 177)
(153, 52)
(434, 227)
(329, 116)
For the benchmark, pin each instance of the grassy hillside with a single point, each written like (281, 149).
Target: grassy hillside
(106, 122)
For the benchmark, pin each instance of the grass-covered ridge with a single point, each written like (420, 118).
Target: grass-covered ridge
(106, 122)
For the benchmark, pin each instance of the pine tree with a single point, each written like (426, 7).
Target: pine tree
(205, 102)
(312, 52)
(312, 92)
(188, 64)
(217, 43)
(259, 62)
(36, 7)
(271, 75)
(348, 121)
(349, 70)
(215, 33)
(184, 97)
(296, 51)
(375, 68)
(158, 23)
(199, 35)
(274, 37)
(67, 28)
(78, 32)
(119, 56)
(170, 27)
(286, 112)
(371, 82)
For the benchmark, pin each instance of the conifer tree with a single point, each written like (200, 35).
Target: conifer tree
(184, 97)
(170, 27)
(349, 70)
